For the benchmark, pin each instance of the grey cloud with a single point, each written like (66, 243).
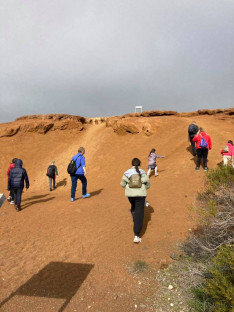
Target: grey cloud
(101, 58)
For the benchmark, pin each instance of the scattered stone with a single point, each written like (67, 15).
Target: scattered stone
(170, 287)
(163, 264)
(175, 256)
(172, 304)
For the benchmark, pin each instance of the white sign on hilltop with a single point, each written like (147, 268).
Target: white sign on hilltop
(138, 108)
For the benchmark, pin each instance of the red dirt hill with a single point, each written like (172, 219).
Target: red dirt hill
(95, 235)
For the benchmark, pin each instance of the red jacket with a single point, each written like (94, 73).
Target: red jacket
(230, 150)
(12, 165)
(198, 138)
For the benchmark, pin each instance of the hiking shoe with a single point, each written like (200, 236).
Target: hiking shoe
(197, 168)
(18, 208)
(206, 169)
(86, 195)
(72, 199)
(12, 202)
(137, 240)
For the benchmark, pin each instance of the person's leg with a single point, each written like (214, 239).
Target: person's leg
(50, 183)
(138, 215)
(232, 162)
(53, 182)
(83, 180)
(225, 159)
(156, 171)
(199, 156)
(132, 202)
(73, 186)
(148, 172)
(205, 155)
(193, 146)
(18, 198)
(15, 195)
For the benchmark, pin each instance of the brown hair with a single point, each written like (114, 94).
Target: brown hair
(136, 163)
(81, 150)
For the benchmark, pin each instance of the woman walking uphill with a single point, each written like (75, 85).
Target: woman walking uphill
(135, 181)
(17, 176)
(203, 145)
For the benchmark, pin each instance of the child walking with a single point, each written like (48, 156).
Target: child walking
(152, 162)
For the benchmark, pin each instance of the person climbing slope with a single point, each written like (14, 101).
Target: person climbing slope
(152, 162)
(136, 182)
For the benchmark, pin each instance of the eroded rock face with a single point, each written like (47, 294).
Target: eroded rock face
(9, 131)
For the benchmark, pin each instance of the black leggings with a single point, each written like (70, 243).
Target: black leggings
(202, 153)
(17, 195)
(137, 210)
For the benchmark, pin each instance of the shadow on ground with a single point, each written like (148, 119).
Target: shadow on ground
(147, 217)
(37, 202)
(61, 183)
(56, 280)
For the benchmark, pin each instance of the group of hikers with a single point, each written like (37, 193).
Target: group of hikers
(135, 181)
(201, 144)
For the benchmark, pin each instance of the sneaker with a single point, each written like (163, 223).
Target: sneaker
(146, 204)
(9, 198)
(197, 168)
(137, 240)
(156, 174)
(72, 199)
(206, 169)
(12, 202)
(86, 195)
(18, 208)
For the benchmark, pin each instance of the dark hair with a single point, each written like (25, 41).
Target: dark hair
(230, 141)
(152, 151)
(202, 129)
(13, 160)
(136, 163)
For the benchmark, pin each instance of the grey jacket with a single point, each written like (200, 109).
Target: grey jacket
(135, 192)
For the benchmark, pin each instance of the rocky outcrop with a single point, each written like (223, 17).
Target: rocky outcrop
(9, 131)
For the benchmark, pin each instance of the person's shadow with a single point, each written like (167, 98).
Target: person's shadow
(94, 193)
(147, 217)
(62, 183)
(194, 158)
(36, 202)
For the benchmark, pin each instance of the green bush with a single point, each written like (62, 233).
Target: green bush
(221, 176)
(216, 292)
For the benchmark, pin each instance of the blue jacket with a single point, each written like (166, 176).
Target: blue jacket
(17, 176)
(80, 163)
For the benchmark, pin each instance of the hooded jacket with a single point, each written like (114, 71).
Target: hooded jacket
(198, 138)
(135, 192)
(17, 176)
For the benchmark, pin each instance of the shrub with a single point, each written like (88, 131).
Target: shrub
(216, 292)
(215, 210)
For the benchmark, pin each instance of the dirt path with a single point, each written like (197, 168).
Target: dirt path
(63, 256)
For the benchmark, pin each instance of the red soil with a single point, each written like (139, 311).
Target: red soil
(95, 235)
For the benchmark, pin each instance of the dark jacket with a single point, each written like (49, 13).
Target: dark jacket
(17, 176)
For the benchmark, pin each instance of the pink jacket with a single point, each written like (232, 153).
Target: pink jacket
(198, 138)
(230, 150)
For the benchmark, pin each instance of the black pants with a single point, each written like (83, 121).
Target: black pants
(17, 195)
(193, 146)
(202, 153)
(137, 210)
(12, 194)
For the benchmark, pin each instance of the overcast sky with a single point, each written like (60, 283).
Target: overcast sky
(102, 57)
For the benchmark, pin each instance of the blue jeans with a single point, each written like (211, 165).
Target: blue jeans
(83, 180)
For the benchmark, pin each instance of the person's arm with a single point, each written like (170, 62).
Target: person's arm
(82, 162)
(9, 182)
(56, 170)
(157, 156)
(210, 143)
(26, 179)
(123, 182)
